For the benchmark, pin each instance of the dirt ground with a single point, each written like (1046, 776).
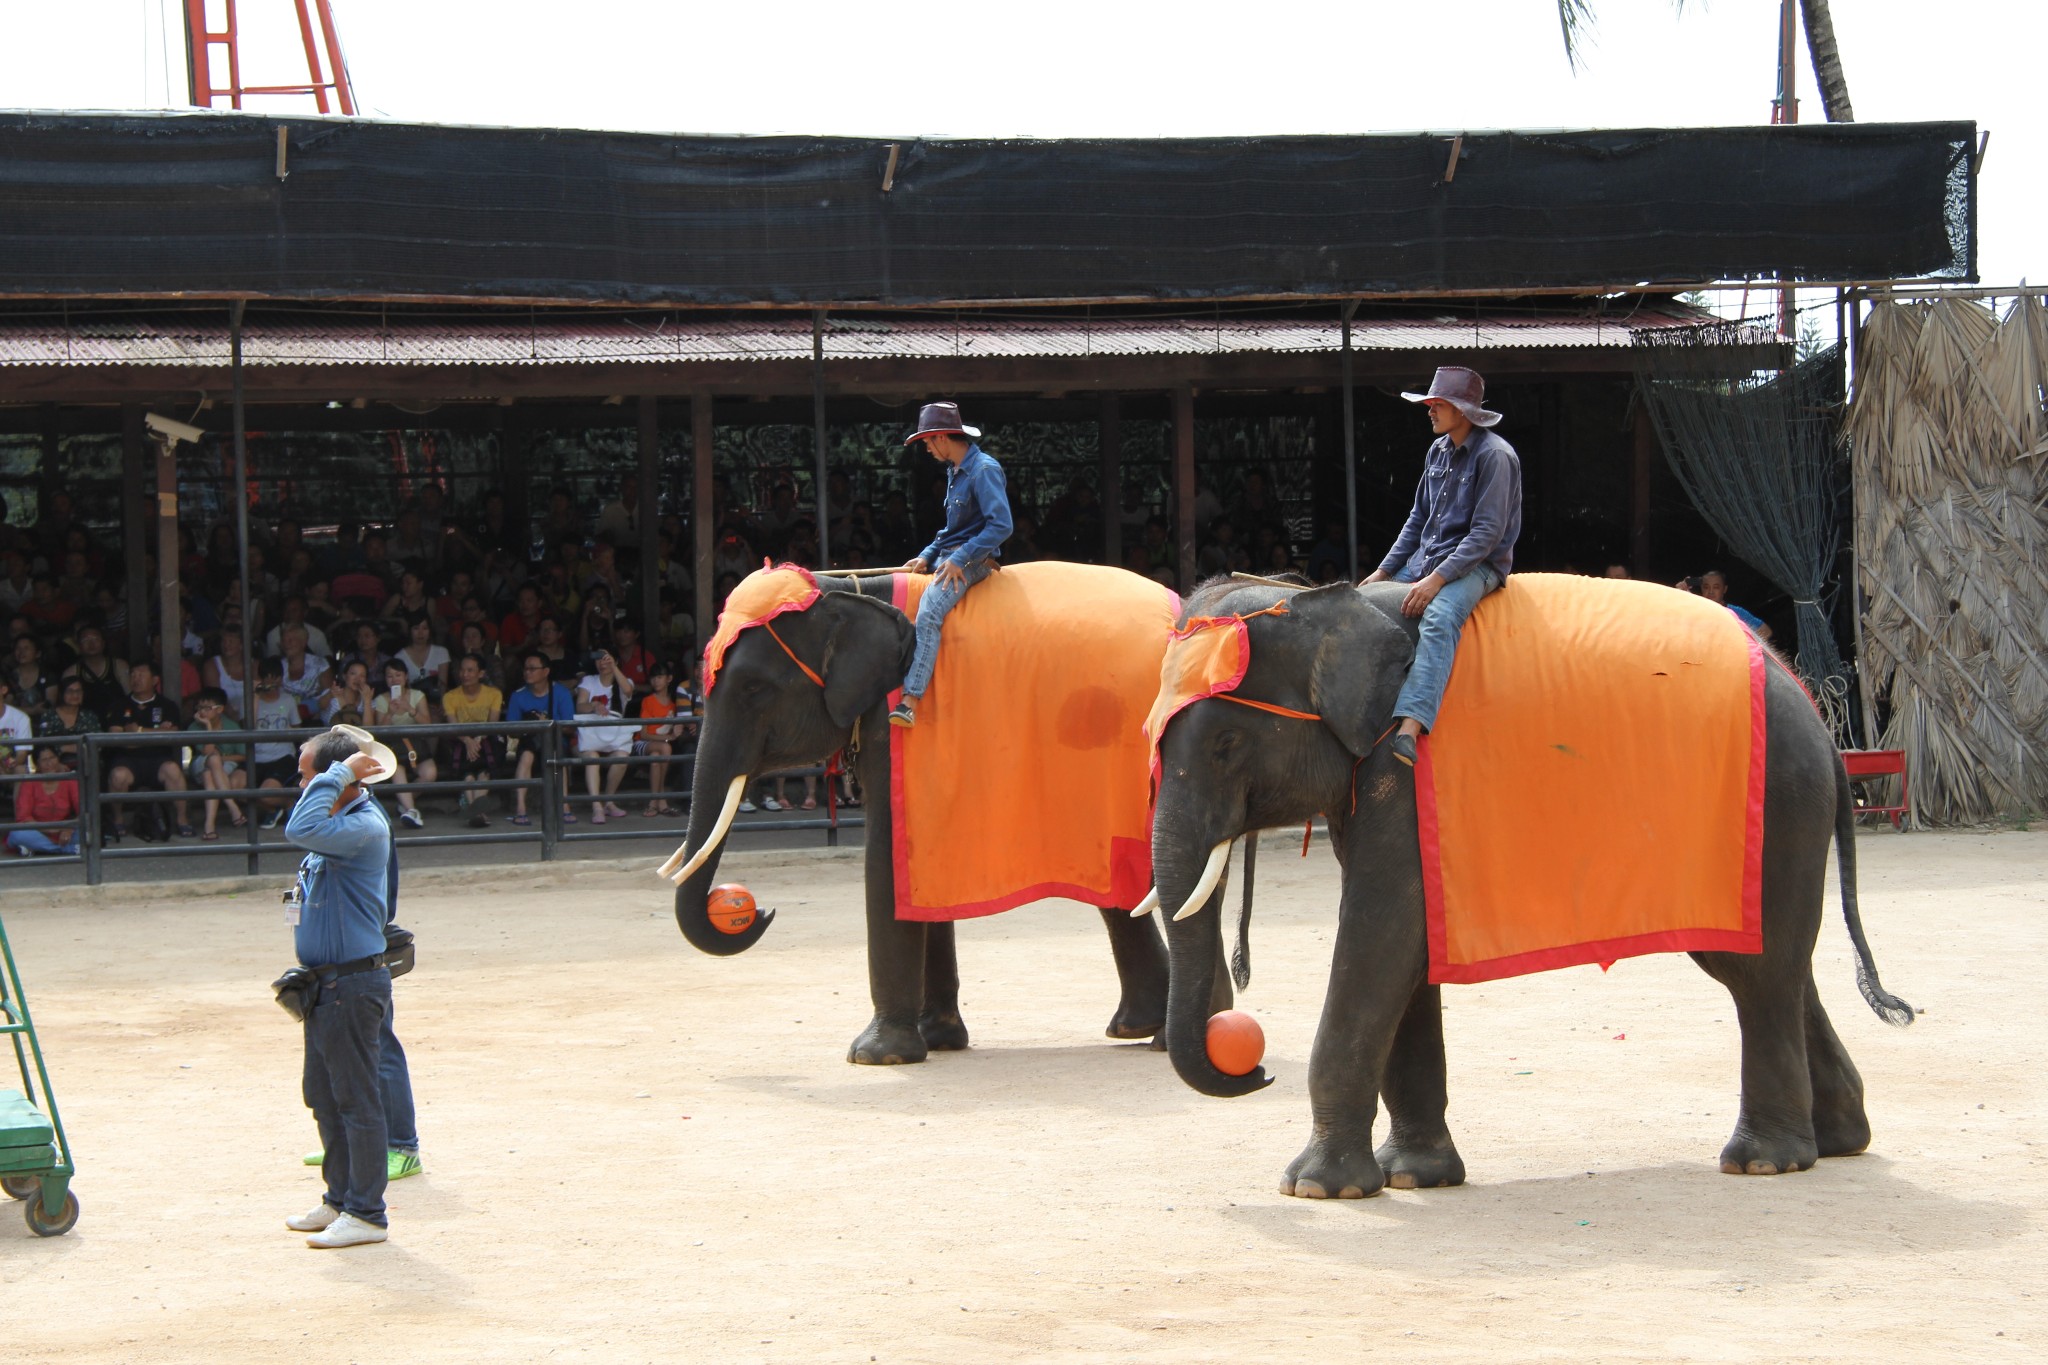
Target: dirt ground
(634, 1152)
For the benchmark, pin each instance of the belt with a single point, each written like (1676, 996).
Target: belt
(340, 969)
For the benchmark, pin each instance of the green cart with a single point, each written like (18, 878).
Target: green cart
(35, 1158)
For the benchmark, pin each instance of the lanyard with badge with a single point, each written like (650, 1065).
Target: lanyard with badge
(295, 894)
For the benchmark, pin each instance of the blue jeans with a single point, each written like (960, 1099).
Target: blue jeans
(939, 598)
(395, 1081)
(36, 841)
(341, 1087)
(1443, 621)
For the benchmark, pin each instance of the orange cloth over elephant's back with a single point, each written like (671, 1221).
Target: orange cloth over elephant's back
(757, 599)
(1594, 786)
(1026, 775)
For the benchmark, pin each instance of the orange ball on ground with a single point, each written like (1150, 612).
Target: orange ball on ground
(731, 908)
(1236, 1042)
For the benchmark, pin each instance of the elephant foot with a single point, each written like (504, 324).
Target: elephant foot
(1326, 1171)
(1412, 1165)
(945, 1031)
(1131, 1023)
(1843, 1133)
(1748, 1154)
(883, 1043)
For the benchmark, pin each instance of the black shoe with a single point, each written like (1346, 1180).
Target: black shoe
(1404, 749)
(903, 715)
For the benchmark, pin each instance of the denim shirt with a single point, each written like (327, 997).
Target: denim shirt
(1468, 510)
(977, 512)
(347, 875)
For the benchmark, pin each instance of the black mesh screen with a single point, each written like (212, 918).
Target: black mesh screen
(156, 204)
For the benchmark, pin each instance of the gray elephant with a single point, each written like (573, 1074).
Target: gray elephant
(819, 682)
(1338, 654)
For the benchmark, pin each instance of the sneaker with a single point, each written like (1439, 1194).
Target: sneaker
(1404, 749)
(746, 807)
(347, 1231)
(398, 1165)
(276, 819)
(318, 1220)
(479, 821)
(410, 817)
(904, 715)
(314, 1159)
(770, 803)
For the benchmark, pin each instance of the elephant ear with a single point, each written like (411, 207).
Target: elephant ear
(867, 652)
(1358, 659)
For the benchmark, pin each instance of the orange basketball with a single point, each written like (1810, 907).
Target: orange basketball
(1236, 1042)
(731, 908)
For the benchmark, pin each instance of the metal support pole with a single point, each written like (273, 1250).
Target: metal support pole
(1184, 482)
(548, 750)
(703, 516)
(1350, 469)
(1853, 355)
(135, 530)
(650, 520)
(252, 622)
(89, 807)
(1109, 441)
(1788, 112)
(818, 436)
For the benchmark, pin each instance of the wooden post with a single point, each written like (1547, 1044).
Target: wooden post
(170, 624)
(515, 472)
(1109, 442)
(824, 497)
(135, 529)
(1639, 493)
(650, 498)
(703, 526)
(1350, 450)
(1184, 482)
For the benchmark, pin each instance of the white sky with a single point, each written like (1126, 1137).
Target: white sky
(1061, 68)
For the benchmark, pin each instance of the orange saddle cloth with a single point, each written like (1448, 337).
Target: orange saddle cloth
(1026, 775)
(1594, 786)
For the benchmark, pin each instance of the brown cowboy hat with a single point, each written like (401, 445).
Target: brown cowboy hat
(1462, 389)
(941, 419)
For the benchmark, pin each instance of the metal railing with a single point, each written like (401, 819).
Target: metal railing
(553, 786)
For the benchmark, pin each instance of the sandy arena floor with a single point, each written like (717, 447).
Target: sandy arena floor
(635, 1152)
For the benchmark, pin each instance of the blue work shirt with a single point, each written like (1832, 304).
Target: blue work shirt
(977, 512)
(556, 705)
(1468, 510)
(346, 877)
(1750, 619)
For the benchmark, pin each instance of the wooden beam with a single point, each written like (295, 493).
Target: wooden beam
(1184, 482)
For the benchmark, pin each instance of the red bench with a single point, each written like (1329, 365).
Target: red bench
(1866, 764)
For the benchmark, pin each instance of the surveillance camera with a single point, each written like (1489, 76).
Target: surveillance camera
(171, 427)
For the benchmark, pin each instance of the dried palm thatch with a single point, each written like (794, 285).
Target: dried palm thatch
(1949, 439)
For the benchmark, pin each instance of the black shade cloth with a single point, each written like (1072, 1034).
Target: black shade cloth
(154, 204)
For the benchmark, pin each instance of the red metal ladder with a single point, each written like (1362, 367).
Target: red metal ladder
(316, 31)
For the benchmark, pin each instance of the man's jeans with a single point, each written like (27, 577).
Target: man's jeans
(1443, 621)
(395, 1082)
(342, 1089)
(939, 598)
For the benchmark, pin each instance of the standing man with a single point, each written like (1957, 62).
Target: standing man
(342, 894)
(1458, 543)
(965, 550)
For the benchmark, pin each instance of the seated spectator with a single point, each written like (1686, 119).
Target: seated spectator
(274, 765)
(474, 640)
(52, 799)
(306, 678)
(550, 644)
(675, 631)
(378, 563)
(472, 701)
(604, 692)
(71, 716)
(16, 586)
(539, 698)
(214, 767)
(368, 650)
(105, 678)
(448, 606)
(410, 600)
(50, 613)
(16, 726)
(603, 571)
(295, 613)
(426, 663)
(414, 546)
(75, 585)
(524, 620)
(400, 704)
(145, 710)
(223, 671)
(594, 624)
(348, 696)
(634, 659)
(321, 612)
(33, 682)
(1616, 571)
(655, 702)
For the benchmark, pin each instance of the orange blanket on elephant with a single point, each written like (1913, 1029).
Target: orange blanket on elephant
(1594, 786)
(1026, 773)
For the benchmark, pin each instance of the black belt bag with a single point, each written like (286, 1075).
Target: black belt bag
(298, 990)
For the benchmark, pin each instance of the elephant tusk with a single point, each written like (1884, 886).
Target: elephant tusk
(1147, 905)
(717, 835)
(675, 860)
(1212, 873)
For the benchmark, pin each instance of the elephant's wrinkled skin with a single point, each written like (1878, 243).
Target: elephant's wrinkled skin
(764, 714)
(1341, 652)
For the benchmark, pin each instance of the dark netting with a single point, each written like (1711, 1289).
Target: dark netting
(1761, 458)
(192, 203)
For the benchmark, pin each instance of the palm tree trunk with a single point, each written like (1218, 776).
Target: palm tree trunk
(1827, 61)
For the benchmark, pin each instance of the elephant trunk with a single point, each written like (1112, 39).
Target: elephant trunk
(1193, 943)
(715, 793)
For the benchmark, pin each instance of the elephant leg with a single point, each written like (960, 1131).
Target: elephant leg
(1141, 968)
(897, 949)
(1774, 1127)
(940, 1024)
(1418, 1153)
(1840, 1125)
(1376, 973)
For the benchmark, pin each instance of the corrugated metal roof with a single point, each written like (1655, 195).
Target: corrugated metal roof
(663, 339)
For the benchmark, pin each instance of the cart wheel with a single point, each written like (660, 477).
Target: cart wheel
(20, 1186)
(66, 1219)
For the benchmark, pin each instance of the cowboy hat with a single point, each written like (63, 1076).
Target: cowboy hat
(387, 762)
(941, 419)
(1462, 389)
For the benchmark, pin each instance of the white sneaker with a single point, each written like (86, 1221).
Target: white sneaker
(347, 1231)
(770, 803)
(411, 817)
(316, 1221)
(746, 808)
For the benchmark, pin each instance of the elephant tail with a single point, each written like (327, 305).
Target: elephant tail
(1887, 1006)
